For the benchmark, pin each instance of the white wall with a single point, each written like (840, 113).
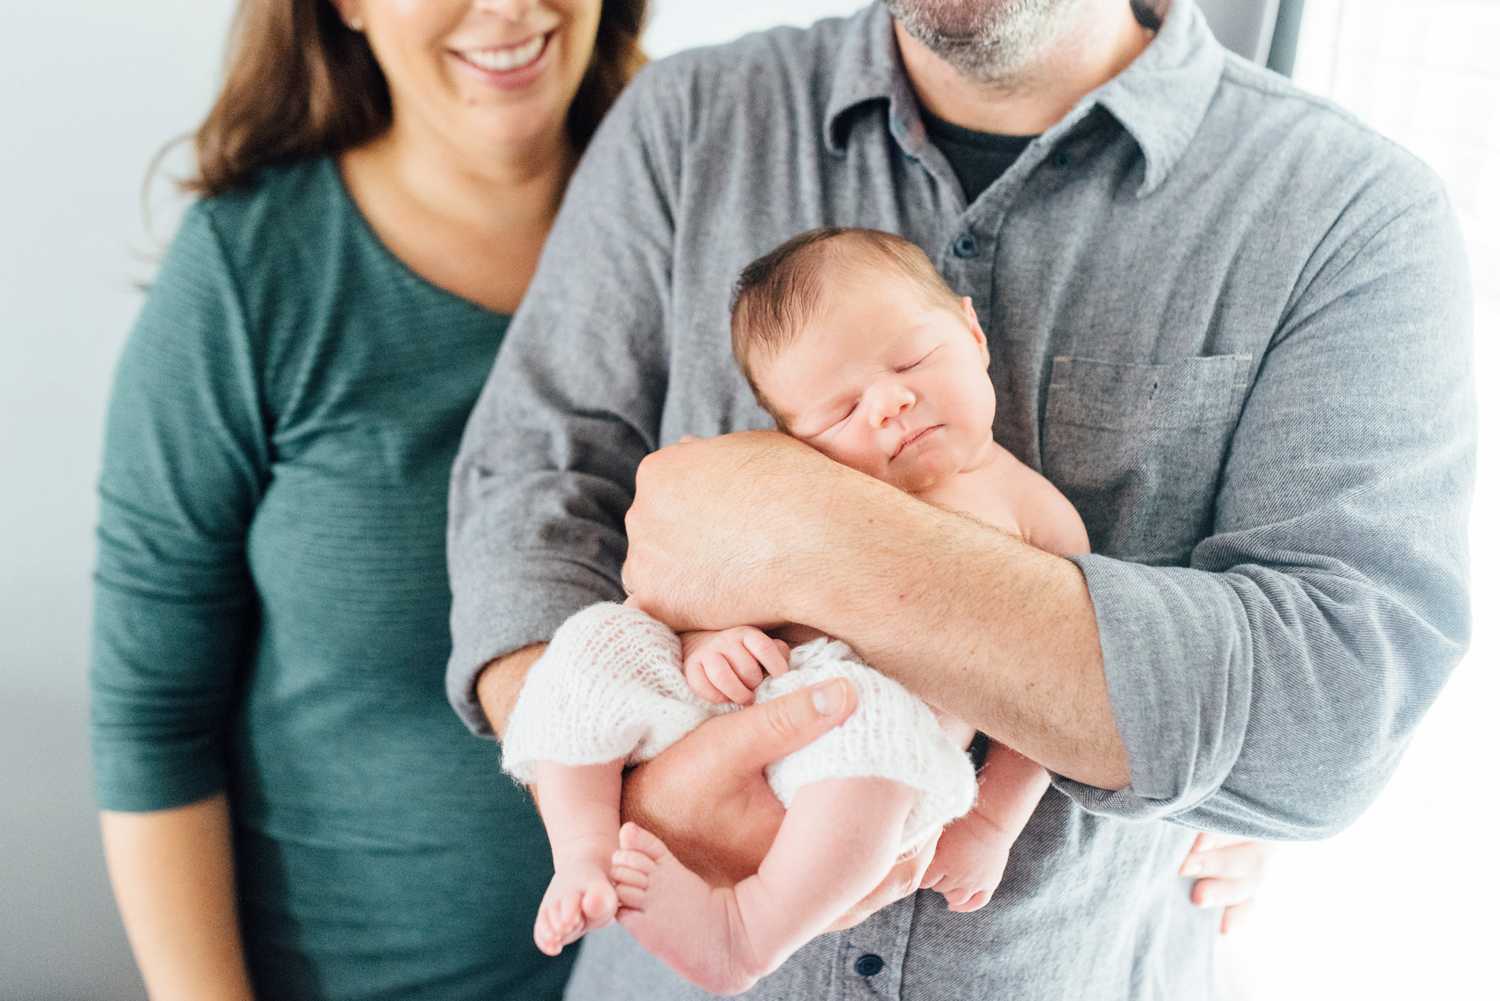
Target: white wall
(1399, 906)
(88, 91)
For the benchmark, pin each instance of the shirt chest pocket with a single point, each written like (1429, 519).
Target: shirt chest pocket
(1138, 449)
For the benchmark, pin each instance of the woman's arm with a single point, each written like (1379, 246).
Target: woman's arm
(185, 460)
(173, 876)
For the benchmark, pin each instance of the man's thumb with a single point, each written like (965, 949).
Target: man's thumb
(769, 731)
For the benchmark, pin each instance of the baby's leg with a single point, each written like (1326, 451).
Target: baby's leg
(974, 850)
(580, 807)
(955, 729)
(839, 839)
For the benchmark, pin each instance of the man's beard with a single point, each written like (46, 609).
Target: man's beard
(988, 40)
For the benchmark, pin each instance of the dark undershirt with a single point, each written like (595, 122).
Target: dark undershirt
(978, 158)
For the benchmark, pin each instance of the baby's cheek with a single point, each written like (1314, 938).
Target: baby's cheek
(863, 457)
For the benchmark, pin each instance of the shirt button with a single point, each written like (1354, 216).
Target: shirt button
(1062, 158)
(868, 965)
(965, 246)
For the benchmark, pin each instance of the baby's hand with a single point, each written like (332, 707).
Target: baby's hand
(725, 665)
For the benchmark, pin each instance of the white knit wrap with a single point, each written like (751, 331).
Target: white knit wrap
(610, 686)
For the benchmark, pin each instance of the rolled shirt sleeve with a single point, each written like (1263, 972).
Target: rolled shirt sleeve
(185, 460)
(546, 469)
(1269, 688)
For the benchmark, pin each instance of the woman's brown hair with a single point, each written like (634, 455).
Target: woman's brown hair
(300, 82)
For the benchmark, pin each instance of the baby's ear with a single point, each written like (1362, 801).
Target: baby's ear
(971, 319)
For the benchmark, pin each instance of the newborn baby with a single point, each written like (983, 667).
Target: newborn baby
(854, 344)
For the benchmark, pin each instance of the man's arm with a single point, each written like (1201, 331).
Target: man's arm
(978, 623)
(1268, 688)
(547, 464)
(500, 682)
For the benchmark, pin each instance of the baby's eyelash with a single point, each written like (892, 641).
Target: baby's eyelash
(842, 419)
(917, 362)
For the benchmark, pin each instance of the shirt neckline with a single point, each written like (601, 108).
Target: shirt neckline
(372, 238)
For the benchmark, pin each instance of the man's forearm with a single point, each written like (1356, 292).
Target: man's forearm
(500, 682)
(982, 625)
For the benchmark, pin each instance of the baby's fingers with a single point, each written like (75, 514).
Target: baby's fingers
(722, 675)
(697, 679)
(769, 652)
(745, 665)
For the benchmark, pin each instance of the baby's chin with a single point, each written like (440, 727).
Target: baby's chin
(924, 473)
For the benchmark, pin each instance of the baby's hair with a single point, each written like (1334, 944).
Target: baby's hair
(778, 294)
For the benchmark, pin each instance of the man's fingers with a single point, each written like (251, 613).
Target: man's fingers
(1237, 860)
(760, 734)
(1221, 892)
(1234, 917)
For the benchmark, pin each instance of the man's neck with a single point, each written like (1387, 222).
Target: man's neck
(1102, 39)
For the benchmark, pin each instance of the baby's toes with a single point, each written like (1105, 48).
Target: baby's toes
(549, 932)
(965, 900)
(599, 904)
(630, 869)
(631, 897)
(565, 914)
(635, 838)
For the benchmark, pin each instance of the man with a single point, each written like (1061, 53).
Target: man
(1227, 321)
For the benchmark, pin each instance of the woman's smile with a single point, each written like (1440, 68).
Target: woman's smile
(508, 66)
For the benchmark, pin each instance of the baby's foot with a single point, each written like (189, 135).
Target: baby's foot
(969, 862)
(579, 899)
(692, 927)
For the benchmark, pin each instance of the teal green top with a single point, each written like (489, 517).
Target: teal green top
(271, 602)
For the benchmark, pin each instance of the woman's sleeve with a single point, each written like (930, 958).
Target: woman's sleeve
(185, 460)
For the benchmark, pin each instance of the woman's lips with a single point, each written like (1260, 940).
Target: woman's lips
(913, 439)
(508, 66)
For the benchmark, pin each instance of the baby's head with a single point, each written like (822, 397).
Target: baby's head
(856, 346)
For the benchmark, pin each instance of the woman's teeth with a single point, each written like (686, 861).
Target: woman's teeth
(513, 57)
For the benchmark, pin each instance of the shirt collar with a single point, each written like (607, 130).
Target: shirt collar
(1160, 99)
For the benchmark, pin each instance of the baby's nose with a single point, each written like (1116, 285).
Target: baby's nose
(892, 401)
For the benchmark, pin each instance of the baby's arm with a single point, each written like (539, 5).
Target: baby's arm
(973, 851)
(726, 665)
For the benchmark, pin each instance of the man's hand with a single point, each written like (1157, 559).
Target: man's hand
(706, 796)
(713, 558)
(1228, 873)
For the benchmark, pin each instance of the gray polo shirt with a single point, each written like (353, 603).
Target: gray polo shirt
(1231, 323)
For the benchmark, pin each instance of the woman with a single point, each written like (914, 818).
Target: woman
(290, 808)
(272, 598)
